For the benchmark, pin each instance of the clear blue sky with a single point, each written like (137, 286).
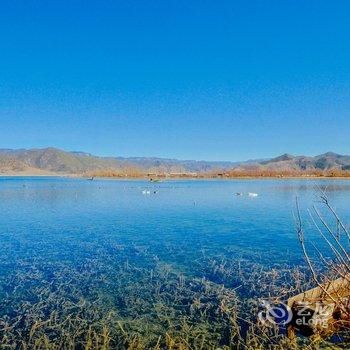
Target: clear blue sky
(226, 80)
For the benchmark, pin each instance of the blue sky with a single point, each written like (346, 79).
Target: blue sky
(224, 80)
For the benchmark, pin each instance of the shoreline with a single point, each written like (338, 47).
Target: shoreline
(164, 179)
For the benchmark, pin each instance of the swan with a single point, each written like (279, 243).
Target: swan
(252, 194)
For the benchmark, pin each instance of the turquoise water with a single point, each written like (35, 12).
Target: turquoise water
(185, 217)
(98, 240)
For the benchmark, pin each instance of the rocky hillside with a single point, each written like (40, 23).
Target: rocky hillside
(328, 164)
(53, 160)
(56, 161)
(326, 161)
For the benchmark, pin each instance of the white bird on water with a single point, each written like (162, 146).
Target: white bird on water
(146, 192)
(252, 194)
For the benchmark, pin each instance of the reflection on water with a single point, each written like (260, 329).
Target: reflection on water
(106, 251)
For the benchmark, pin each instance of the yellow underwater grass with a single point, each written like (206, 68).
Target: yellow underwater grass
(102, 294)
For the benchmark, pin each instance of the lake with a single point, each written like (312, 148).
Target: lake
(81, 256)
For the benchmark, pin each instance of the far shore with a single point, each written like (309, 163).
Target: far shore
(164, 178)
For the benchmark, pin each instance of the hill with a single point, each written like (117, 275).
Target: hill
(329, 164)
(55, 161)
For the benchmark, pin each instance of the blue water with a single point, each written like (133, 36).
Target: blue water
(179, 222)
(102, 252)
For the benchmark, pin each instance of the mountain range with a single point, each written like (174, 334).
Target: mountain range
(51, 161)
(326, 161)
(56, 161)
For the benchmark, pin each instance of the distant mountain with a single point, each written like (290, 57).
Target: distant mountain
(56, 161)
(53, 160)
(289, 163)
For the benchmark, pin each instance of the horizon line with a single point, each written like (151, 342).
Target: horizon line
(169, 158)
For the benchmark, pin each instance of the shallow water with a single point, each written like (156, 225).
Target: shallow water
(188, 216)
(113, 235)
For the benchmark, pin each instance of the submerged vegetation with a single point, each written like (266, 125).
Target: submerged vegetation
(103, 295)
(82, 290)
